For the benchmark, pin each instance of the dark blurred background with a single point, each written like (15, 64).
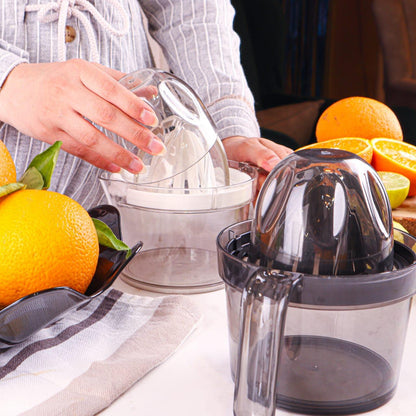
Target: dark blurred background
(301, 55)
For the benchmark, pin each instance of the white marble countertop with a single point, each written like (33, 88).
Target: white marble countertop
(196, 380)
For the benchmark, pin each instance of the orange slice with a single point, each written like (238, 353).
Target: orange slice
(357, 145)
(395, 156)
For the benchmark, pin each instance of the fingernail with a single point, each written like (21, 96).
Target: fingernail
(156, 147)
(270, 163)
(136, 165)
(113, 168)
(148, 118)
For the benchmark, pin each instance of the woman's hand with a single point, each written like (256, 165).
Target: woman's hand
(54, 101)
(260, 152)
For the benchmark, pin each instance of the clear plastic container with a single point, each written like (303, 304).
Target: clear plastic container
(178, 228)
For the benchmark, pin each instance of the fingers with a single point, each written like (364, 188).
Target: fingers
(271, 154)
(70, 145)
(263, 153)
(89, 143)
(115, 108)
(113, 92)
(280, 150)
(260, 180)
(63, 95)
(146, 91)
(258, 151)
(268, 154)
(112, 118)
(117, 75)
(104, 101)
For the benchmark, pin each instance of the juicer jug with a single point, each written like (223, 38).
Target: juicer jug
(318, 291)
(185, 197)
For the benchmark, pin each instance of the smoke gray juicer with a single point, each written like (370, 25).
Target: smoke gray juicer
(318, 291)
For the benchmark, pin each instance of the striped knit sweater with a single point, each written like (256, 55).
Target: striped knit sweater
(195, 36)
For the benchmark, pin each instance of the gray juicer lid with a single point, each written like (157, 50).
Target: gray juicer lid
(323, 212)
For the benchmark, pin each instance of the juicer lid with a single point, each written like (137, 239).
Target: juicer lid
(186, 129)
(323, 212)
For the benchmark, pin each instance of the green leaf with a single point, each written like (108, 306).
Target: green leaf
(32, 178)
(107, 238)
(45, 163)
(11, 187)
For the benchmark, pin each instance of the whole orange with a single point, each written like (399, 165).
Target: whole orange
(358, 117)
(7, 167)
(46, 240)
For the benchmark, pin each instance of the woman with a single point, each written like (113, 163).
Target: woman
(59, 69)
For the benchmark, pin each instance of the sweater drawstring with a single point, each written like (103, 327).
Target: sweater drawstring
(62, 10)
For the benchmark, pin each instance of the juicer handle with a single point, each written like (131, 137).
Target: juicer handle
(263, 309)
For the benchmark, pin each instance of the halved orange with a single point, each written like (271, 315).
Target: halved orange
(357, 145)
(395, 156)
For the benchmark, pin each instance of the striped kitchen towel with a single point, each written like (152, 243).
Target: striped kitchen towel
(82, 363)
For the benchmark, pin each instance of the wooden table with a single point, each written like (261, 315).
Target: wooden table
(406, 215)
